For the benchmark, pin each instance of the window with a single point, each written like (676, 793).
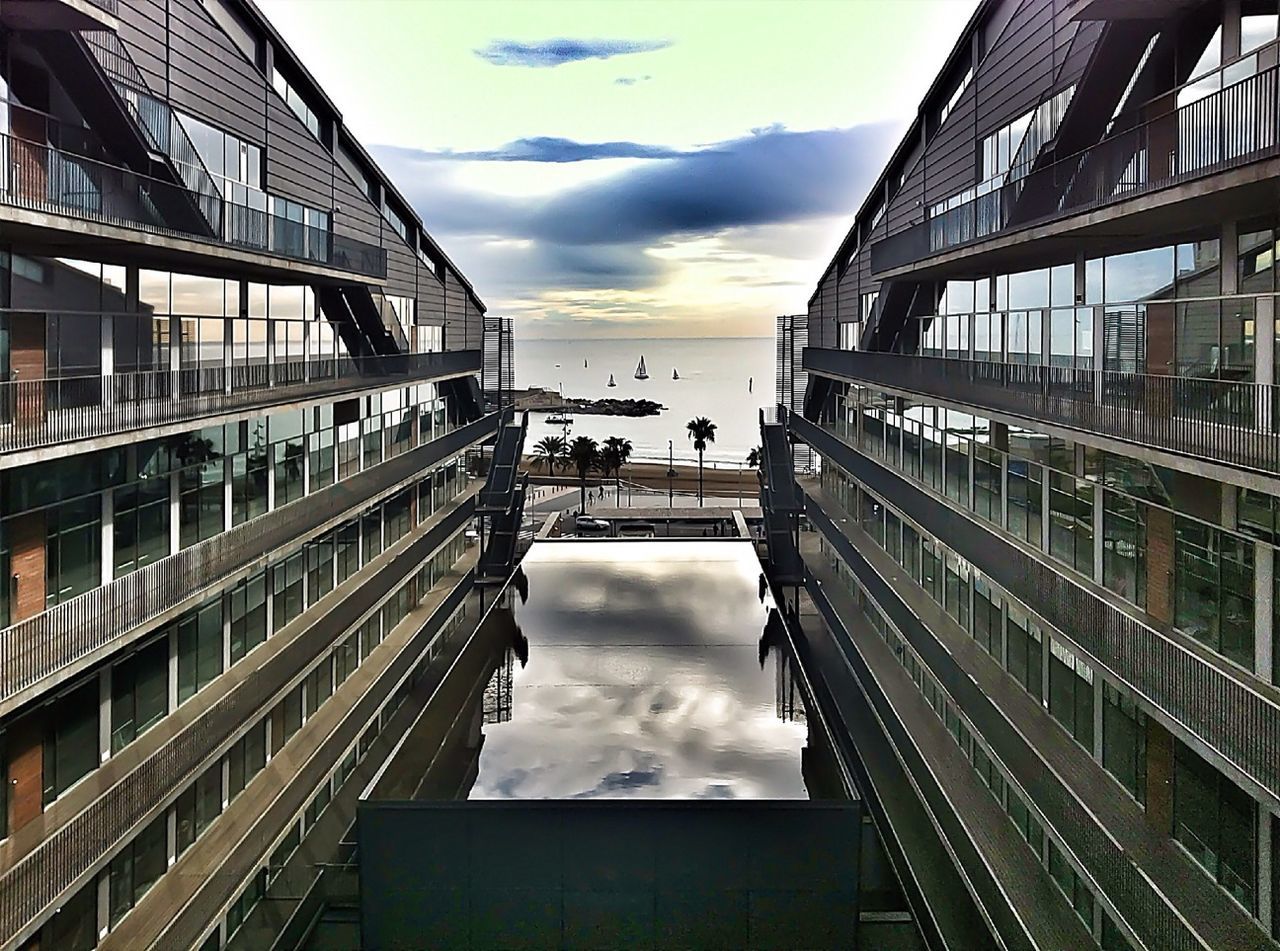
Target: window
(1124, 741)
(71, 739)
(248, 615)
(200, 481)
(249, 470)
(246, 758)
(988, 614)
(348, 545)
(286, 588)
(75, 926)
(74, 549)
(140, 523)
(1216, 821)
(1071, 693)
(139, 692)
(1071, 521)
(198, 806)
(1214, 589)
(319, 555)
(199, 650)
(286, 433)
(296, 103)
(137, 867)
(346, 657)
(319, 685)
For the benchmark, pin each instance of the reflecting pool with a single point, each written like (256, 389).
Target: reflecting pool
(643, 669)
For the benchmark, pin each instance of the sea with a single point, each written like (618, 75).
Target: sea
(728, 379)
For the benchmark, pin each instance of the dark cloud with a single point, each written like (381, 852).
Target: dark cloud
(547, 148)
(557, 52)
(769, 187)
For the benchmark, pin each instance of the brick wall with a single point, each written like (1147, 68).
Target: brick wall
(1160, 563)
(27, 562)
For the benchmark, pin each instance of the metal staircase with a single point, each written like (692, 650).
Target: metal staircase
(500, 504)
(780, 500)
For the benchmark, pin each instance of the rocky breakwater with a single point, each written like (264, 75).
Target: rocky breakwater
(612, 407)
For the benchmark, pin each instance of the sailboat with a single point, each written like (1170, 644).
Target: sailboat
(675, 374)
(584, 364)
(641, 372)
(611, 383)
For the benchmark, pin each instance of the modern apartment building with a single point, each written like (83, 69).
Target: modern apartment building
(1042, 546)
(240, 412)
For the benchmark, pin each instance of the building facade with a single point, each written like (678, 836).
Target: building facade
(240, 416)
(1041, 382)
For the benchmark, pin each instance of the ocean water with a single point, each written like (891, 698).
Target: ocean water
(714, 376)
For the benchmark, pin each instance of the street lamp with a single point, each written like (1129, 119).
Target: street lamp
(671, 473)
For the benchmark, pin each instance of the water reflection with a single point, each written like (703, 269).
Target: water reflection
(646, 670)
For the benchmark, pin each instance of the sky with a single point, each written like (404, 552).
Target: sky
(600, 168)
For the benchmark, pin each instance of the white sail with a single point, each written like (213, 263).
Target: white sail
(611, 383)
(675, 374)
(641, 372)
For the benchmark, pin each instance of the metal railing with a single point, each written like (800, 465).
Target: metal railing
(37, 880)
(45, 412)
(1229, 128)
(110, 6)
(1237, 723)
(41, 646)
(43, 179)
(1226, 421)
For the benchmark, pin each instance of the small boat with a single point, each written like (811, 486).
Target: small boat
(611, 383)
(675, 374)
(559, 419)
(749, 382)
(641, 372)
(584, 364)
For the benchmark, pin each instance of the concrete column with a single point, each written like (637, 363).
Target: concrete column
(173, 670)
(108, 543)
(1044, 509)
(171, 835)
(271, 478)
(1230, 41)
(1264, 358)
(1097, 715)
(1098, 547)
(1230, 232)
(1264, 607)
(1229, 497)
(103, 887)
(227, 470)
(225, 763)
(226, 632)
(1004, 490)
(107, 340)
(1266, 862)
(1099, 350)
(1045, 342)
(104, 714)
(175, 353)
(175, 512)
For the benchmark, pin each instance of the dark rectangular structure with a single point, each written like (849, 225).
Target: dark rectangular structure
(554, 874)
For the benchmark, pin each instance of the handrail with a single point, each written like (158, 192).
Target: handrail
(62, 636)
(46, 412)
(1226, 129)
(43, 179)
(1232, 422)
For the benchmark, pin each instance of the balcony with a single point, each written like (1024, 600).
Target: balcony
(184, 746)
(1195, 693)
(1225, 130)
(68, 637)
(49, 181)
(1222, 421)
(60, 14)
(51, 412)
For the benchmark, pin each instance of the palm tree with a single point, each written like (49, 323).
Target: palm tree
(755, 458)
(584, 453)
(617, 451)
(549, 450)
(701, 431)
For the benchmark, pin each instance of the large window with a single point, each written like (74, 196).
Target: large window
(200, 485)
(198, 806)
(250, 469)
(248, 603)
(1214, 589)
(286, 591)
(137, 867)
(139, 692)
(1071, 521)
(1216, 821)
(296, 103)
(1071, 693)
(287, 442)
(1124, 547)
(71, 739)
(1025, 651)
(74, 551)
(199, 650)
(140, 523)
(246, 758)
(1124, 741)
(1026, 500)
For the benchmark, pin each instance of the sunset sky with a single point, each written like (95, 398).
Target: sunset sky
(639, 169)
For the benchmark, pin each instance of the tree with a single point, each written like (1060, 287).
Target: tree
(550, 450)
(584, 453)
(615, 454)
(702, 431)
(755, 458)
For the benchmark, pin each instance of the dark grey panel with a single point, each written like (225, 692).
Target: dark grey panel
(597, 874)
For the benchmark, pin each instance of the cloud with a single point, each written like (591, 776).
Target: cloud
(546, 148)
(557, 52)
(631, 80)
(739, 224)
